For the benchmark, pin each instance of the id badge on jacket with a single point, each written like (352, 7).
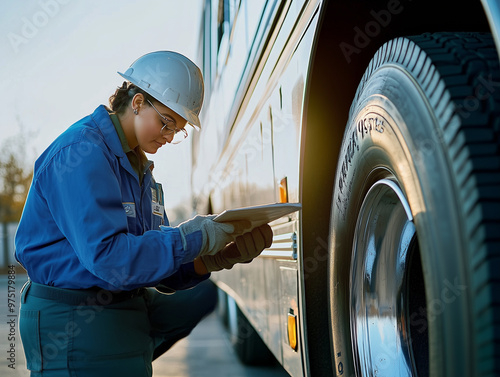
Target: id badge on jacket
(157, 205)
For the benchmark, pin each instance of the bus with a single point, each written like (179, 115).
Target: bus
(381, 118)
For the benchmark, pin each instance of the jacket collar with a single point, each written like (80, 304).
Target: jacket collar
(103, 121)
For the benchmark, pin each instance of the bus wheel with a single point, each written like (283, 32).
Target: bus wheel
(246, 342)
(414, 233)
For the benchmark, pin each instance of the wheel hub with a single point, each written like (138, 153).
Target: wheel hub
(383, 239)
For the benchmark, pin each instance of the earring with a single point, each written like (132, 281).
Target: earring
(136, 112)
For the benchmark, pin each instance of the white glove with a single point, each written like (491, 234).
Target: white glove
(215, 235)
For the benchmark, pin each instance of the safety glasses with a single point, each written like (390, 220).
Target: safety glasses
(170, 128)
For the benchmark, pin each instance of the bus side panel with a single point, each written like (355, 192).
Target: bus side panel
(264, 148)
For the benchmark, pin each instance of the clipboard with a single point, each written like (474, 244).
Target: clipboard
(259, 215)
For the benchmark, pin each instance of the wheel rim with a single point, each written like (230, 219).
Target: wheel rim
(384, 241)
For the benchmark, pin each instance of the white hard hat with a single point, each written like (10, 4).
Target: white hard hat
(171, 79)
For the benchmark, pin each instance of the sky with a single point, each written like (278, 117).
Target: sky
(59, 60)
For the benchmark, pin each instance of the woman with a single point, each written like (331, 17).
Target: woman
(94, 235)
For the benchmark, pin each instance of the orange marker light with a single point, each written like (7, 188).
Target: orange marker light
(292, 330)
(284, 191)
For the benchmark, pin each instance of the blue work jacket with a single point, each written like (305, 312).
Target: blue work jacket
(88, 222)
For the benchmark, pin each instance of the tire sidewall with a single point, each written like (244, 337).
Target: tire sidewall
(393, 133)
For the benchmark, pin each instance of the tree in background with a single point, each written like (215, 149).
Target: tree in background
(15, 180)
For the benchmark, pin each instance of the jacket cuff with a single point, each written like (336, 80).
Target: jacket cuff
(193, 246)
(184, 278)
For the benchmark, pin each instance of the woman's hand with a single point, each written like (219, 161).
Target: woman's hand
(243, 250)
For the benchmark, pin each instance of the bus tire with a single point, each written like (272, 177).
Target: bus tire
(222, 307)
(246, 342)
(414, 235)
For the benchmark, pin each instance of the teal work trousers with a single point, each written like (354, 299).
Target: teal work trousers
(62, 338)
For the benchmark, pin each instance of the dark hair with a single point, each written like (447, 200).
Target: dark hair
(123, 95)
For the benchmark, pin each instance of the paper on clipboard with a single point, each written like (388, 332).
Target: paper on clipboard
(259, 215)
